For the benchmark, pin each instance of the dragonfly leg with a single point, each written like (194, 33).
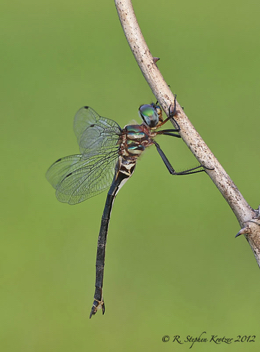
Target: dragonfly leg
(170, 133)
(171, 113)
(193, 170)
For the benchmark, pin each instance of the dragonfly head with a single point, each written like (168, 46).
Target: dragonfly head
(151, 114)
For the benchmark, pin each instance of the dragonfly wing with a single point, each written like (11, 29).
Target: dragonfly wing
(61, 168)
(76, 178)
(95, 133)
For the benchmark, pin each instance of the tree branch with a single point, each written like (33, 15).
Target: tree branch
(247, 217)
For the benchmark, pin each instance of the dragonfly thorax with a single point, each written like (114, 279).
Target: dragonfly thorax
(151, 114)
(135, 138)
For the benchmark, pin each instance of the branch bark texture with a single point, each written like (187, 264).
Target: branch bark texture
(247, 217)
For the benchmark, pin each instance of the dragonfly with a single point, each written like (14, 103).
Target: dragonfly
(108, 156)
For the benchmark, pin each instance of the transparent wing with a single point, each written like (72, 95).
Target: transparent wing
(95, 134)
(76, 178)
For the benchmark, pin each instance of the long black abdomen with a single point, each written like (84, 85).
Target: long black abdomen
(119, 179)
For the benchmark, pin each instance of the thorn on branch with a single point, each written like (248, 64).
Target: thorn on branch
(243, 231)
(258, 212)
(248, 230)
(155, 59)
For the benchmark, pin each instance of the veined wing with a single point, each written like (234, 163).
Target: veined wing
(95, 133)
(76, 178)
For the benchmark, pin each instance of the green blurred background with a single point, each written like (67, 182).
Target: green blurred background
(173, 266)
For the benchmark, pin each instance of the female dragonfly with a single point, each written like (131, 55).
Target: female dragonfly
(108, 158)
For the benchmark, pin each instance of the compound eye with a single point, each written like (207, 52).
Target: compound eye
(149, 114)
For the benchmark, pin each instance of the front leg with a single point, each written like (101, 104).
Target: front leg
(171, 113)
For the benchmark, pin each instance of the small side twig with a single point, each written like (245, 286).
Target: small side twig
(247, 217)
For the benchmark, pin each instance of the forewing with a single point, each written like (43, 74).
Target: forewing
(77, 179)
(95, 134)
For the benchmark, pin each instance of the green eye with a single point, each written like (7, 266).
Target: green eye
(147, 110)
(149, 114)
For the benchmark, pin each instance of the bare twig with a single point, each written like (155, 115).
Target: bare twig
(247, 217)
